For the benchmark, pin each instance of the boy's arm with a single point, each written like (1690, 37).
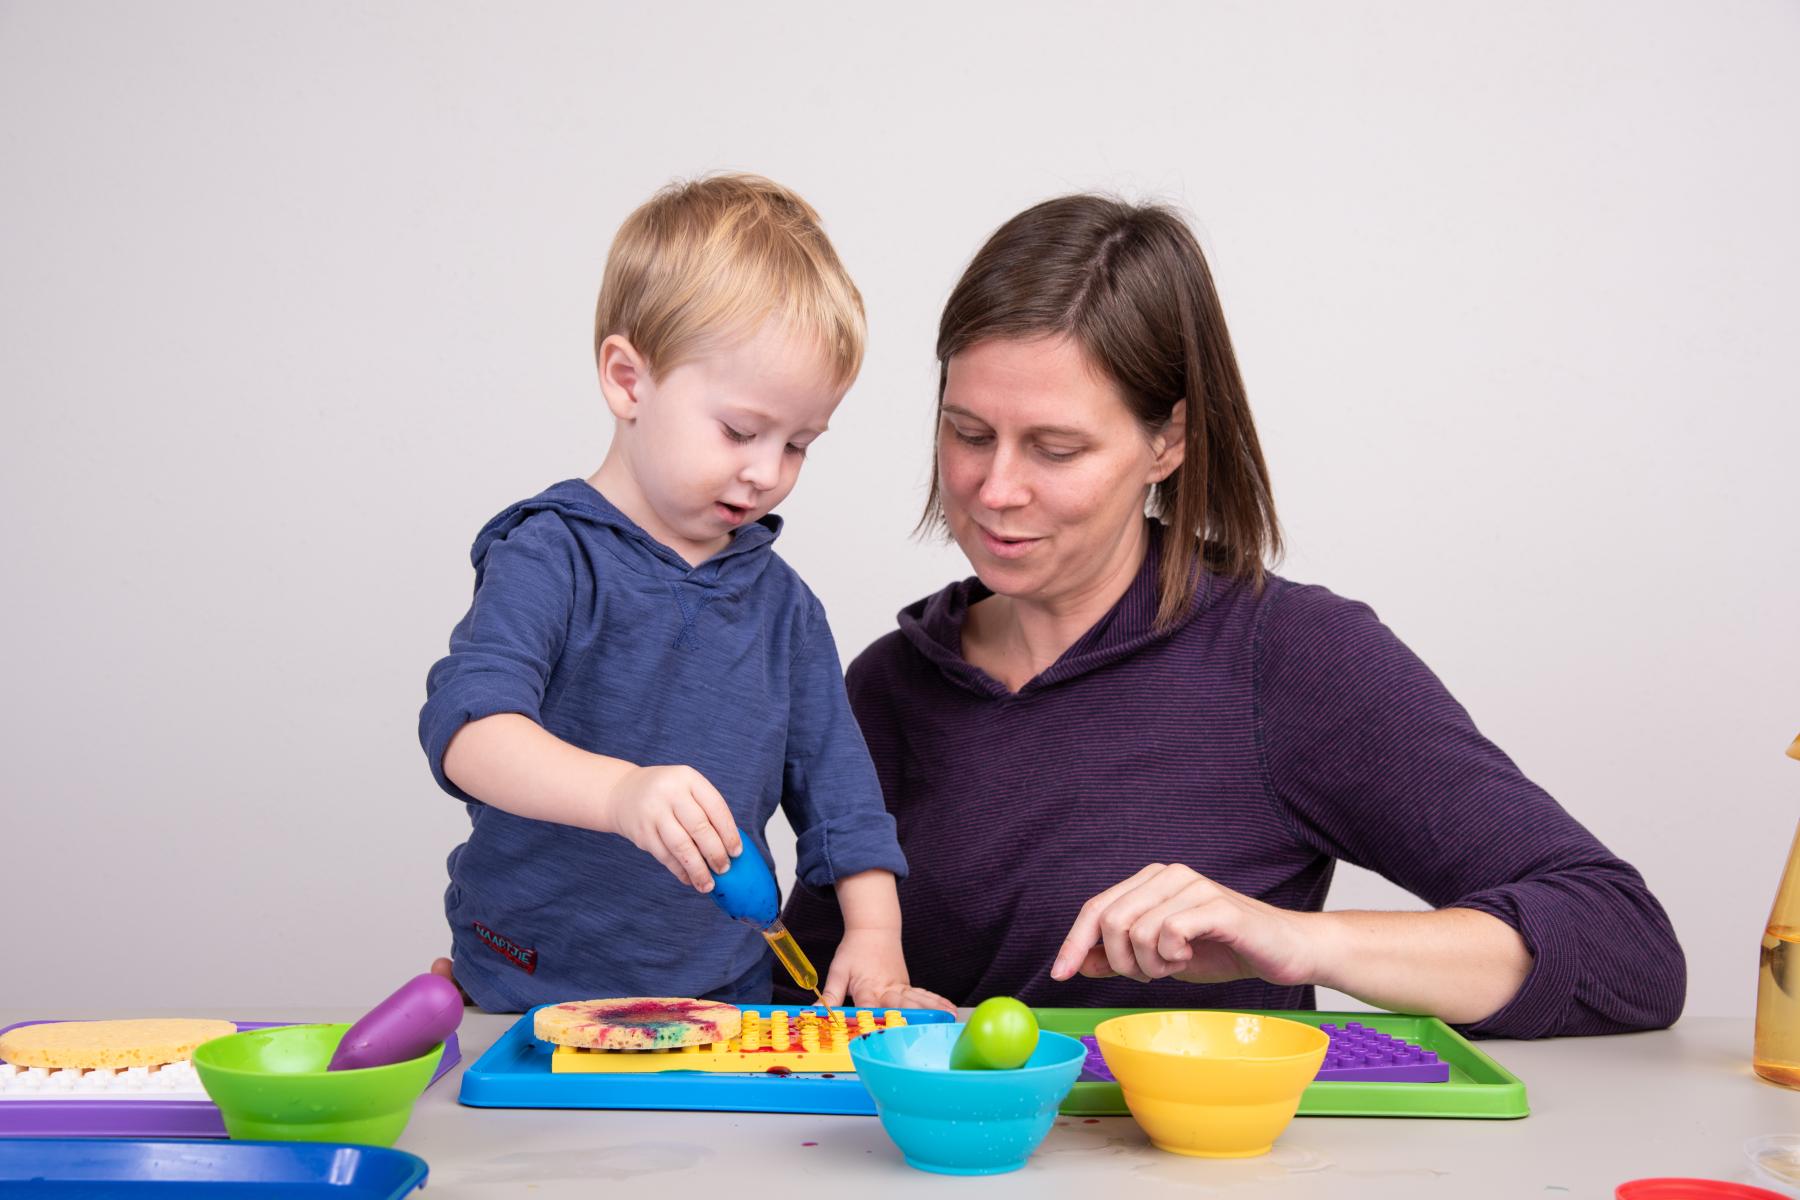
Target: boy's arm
(869, 901)
(505, 648)
(829, 789)
(869, 965)
(845, 835)
(672, 812)
(510, 761)
(481, 725)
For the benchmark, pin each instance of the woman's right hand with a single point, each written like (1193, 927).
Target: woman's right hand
(676, 816)
(1170, 921)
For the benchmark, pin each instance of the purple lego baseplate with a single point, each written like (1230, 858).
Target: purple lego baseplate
(1094, 1068)
(1357, 1054)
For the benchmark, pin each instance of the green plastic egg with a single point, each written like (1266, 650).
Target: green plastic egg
(1000, 1035)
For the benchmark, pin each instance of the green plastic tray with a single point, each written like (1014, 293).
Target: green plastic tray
(1478, 1086)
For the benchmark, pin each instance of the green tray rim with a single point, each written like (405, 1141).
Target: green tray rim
(1479, 1087)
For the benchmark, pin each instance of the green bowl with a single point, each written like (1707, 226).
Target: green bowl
(272, 1085)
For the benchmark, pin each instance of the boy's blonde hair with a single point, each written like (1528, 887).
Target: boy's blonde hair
(704, 262)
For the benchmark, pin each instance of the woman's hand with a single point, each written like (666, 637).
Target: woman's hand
(1173, 922)
(870, 969)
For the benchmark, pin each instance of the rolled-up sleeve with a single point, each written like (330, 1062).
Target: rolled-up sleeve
(829, 789)
(1581, 925)
(1379, 766)
(502, 651)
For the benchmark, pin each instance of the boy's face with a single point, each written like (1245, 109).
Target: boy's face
(717, 441)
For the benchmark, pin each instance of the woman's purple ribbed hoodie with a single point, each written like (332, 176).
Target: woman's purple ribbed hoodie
(1265, 736)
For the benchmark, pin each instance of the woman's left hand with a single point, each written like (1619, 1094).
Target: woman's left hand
(1173, 922)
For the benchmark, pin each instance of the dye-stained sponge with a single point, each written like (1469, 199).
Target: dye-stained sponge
(637, 1023)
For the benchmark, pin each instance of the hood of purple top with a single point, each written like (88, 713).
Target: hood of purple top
(934, 626)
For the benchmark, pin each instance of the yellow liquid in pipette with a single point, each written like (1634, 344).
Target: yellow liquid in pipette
(792, 957)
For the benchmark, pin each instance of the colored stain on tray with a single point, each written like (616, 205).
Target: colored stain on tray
(780, 1071)
(809, 1143)
(654, 1013)
(667, 1022)
(1091, 1121)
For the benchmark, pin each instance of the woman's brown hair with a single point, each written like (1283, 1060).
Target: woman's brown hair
(1130, 285)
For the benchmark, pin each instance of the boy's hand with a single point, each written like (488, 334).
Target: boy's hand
(675, 815)
(870, 969)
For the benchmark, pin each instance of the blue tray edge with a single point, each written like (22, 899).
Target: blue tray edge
(388, 1174)
(485, 1086)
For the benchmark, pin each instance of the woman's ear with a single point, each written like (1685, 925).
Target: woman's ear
(622, 374)
(1170, 444)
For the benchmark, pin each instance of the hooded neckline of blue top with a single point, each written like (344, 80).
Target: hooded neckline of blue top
(582, 500)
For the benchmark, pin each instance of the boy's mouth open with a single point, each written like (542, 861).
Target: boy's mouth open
(731, 514)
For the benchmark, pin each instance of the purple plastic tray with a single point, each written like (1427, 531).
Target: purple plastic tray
(1357, 1054)
(140, 1118)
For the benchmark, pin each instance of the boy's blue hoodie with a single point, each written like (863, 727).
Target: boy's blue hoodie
(611, 641)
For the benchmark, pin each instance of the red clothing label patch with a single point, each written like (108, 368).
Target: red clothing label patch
(522, 957)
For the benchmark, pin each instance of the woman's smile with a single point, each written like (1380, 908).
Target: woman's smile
(1006, 547)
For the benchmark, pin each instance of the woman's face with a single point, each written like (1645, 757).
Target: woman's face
(1043, 470)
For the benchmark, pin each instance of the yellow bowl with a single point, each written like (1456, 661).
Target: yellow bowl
(1211, 1084)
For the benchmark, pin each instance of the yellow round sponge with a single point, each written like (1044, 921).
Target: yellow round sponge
(86, 1045)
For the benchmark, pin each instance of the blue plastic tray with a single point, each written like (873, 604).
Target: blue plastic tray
(100, 1168)
(515, 1073)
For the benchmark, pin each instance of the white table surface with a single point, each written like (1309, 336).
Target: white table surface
(1603, 1110)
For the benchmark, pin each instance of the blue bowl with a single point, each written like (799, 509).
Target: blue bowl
(963, 1122)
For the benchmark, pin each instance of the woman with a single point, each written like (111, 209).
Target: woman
(1124, 758)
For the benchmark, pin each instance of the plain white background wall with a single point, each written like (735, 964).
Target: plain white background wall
(292, 298)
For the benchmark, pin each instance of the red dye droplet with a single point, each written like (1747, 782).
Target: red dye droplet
(1091, 1121)
(809, 1143)
(827, 1075)
(780, 1071)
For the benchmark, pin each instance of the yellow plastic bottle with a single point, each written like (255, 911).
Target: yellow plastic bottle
(1777, 1056)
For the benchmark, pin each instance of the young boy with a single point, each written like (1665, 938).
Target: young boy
(639, 675)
